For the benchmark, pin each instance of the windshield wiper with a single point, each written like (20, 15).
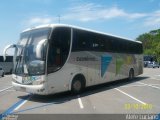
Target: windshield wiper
(18, 60)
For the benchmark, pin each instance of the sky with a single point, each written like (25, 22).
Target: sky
(125, 18)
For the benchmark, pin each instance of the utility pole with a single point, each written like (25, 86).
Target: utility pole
(59, 18)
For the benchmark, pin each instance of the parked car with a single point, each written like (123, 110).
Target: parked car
(1, 72)
(153, 65)
(148, 59)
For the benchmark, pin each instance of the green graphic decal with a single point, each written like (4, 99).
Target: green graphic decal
(129, 60)
(119, 63)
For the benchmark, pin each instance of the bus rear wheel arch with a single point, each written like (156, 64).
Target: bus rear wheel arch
(131, 74)
(78, 84)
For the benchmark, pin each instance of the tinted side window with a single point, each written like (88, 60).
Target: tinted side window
(98, 43)
(1, 59)
(9, 59)
(87, 41)
(81, 40)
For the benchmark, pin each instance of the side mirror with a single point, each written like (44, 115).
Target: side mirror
(5, 50)
(10, 46)
(39, 48)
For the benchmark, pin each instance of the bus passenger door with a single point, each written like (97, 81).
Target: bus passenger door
(59, 47)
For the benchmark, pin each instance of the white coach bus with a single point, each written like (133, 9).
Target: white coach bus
(7, 65)
(55, 58)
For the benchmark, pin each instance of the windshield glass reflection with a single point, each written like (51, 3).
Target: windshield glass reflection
(26, 60)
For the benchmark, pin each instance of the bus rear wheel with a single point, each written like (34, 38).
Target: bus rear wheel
(78, 85)
(131, 74)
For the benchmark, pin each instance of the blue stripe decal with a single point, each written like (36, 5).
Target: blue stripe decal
(35, 107)
(105, 61)
(10, 110)
(157, 117)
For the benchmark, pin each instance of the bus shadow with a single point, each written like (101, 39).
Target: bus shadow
(67, 96)
(110, 85)
(56, 98)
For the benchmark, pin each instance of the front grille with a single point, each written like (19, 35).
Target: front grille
(27, 81)
(24, 82)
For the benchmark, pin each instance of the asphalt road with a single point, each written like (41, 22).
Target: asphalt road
(140, 96)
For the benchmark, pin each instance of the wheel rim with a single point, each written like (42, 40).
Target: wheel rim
(77, 85)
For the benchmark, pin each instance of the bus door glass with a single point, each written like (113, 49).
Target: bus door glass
(59, 46)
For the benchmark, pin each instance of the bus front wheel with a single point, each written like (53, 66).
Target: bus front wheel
(78, 84)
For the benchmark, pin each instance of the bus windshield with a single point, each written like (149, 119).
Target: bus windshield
(30, 57)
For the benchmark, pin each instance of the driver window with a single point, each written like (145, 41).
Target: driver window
(59, 46)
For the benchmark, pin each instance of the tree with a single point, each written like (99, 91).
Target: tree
(151, 43)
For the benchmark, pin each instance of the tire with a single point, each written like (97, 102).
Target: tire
(131, 74)
(78, 84)
(3, 75)
(10, 71)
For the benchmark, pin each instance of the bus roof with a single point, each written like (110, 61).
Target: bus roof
(76, 27)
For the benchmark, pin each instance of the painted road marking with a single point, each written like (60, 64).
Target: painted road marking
(35, 107)
(132, 85)
(80, 102)
(130, 96)
(6, 89)
(149, 85)
(10, 90)
(155, 79)
(155, 84)
(20, 105)
(11, 109)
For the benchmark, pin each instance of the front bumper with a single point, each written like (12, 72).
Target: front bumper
(34, 89)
